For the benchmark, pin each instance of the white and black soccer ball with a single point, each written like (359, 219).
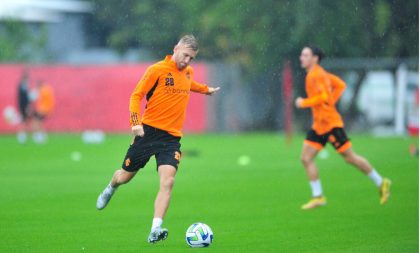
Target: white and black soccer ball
(11, 115)
(199, 235)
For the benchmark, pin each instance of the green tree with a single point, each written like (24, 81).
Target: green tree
(257, 34)
(17, 42)
(153, 24)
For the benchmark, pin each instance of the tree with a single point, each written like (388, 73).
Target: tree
(17, 43)
(252, 32)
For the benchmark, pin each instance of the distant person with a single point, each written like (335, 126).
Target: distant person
(24, 103)
(44, 105)
(324, 90)
(414, 150)
(166, 85)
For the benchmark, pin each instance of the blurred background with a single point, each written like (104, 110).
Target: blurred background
(92, 53)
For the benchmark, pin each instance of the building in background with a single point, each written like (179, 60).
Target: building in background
(61, 22)
(62, 26)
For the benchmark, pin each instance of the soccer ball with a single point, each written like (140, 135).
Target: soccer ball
(199, 235)
(11, 115)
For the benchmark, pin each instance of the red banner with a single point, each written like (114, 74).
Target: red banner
(287, 92)
(92, 97)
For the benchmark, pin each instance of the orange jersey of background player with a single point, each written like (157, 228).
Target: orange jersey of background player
(167, 91)
(323, 90)
(45, 102)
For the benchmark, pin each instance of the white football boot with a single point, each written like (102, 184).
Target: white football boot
(158, 234)
(105, 197)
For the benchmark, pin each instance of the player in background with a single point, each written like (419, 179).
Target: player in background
(44, 105)
(166, 86)
(323, 91)
(24, 102)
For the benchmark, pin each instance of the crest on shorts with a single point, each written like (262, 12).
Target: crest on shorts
(177, 155)
(127, 162)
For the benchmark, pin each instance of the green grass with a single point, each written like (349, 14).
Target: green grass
(47, 201)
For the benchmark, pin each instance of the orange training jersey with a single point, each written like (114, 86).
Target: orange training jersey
(45, 102)
(323, 90)
(167, 90)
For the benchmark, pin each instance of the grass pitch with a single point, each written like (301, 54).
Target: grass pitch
(48, 200)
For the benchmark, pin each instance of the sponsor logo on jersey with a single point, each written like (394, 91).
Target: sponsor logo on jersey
(172, 90)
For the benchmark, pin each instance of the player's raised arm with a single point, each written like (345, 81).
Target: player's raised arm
(143, 87)
(338, 87)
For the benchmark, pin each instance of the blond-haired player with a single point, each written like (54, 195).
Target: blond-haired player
(166, 86)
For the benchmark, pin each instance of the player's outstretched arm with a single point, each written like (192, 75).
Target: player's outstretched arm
(203, 89)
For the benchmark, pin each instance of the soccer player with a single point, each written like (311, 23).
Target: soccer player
(166, 86)
(323, 91)
(43, 108)
(24, 102)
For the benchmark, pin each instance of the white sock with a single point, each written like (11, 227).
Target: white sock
(110, 189)
(21, 137)
(36, 137)
(376, 178)
(157, 223)
(316, 188)
(43, 137)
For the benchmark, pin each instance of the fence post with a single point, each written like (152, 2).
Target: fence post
(401, 78)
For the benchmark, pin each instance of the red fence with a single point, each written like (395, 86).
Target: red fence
(92, 97)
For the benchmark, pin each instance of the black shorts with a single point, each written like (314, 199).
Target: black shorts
(165, 147)
(337, 137)
(39, 116)
(24, 112)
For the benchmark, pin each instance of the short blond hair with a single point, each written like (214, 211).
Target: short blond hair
(189, 41)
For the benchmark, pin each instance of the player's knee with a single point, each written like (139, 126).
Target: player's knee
(349, 158)
(305, 159)
(123, 177)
